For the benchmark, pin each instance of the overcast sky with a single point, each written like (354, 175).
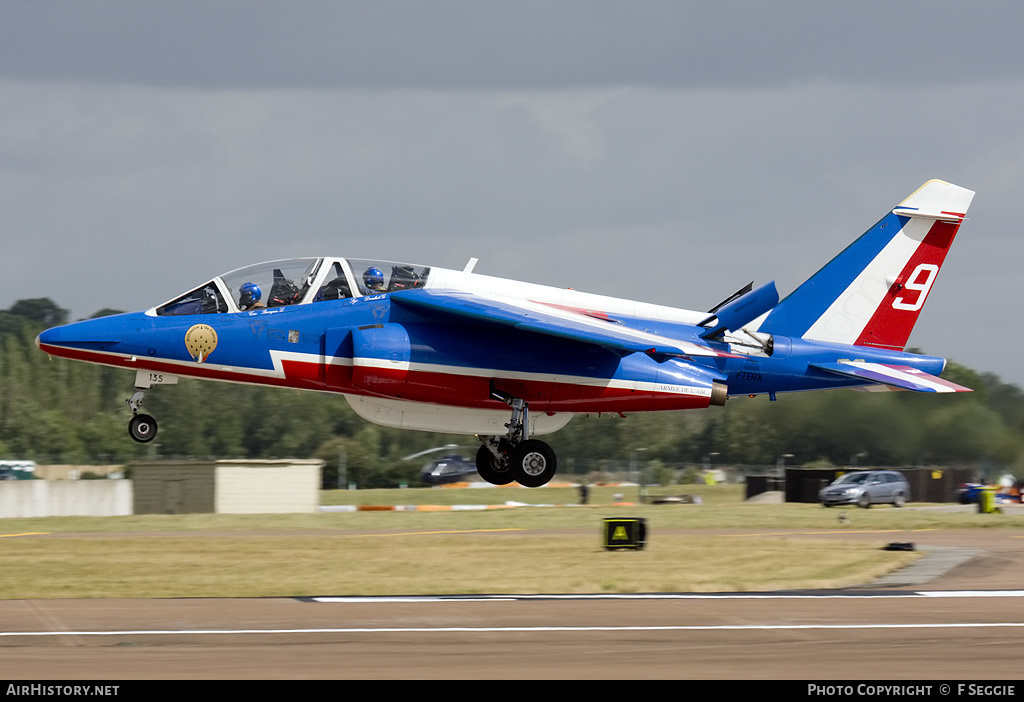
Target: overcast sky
(664, 151)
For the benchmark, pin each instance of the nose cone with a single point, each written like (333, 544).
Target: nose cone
(104, 334)
(91, 333)
(50, 337)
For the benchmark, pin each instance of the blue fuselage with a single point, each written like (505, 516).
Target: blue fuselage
(369, 346)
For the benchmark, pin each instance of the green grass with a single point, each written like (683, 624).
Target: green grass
(555, 548)
(414, 564)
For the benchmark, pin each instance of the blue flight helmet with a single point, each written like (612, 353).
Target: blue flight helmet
(250, 295)
(374, 279)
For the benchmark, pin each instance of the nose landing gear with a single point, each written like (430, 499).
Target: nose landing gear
(141, 427)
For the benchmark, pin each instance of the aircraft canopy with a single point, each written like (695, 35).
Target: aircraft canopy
(295, 281)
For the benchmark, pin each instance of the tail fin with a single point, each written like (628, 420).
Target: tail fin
(872, 293)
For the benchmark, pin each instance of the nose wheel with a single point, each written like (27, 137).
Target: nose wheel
(141, 427)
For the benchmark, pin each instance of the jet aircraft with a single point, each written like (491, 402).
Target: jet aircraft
(453, 351)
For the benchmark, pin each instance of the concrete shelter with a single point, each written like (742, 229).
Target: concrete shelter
(227, 486)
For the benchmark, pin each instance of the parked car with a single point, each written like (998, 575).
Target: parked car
(867, 487)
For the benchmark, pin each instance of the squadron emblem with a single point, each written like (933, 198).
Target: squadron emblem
(200, 340)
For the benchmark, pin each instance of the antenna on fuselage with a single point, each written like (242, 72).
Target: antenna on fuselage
(470, 265)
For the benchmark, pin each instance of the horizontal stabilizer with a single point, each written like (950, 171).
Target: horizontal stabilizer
(733, 314)
(903, 377)
(937, 200)
(955, 217)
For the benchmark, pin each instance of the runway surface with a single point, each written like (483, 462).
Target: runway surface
(959, 617)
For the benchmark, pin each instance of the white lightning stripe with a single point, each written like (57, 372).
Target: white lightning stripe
(278, 357)
(276, 372)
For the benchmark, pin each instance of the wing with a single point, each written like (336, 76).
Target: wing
(903, 377)
(589, 327)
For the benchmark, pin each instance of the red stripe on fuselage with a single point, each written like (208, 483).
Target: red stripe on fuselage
(302, 376)
(440, 388)
(543, 396)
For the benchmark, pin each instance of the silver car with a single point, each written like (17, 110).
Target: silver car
(867, 487)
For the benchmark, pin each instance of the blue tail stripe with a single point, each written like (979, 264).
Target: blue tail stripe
(805, 305)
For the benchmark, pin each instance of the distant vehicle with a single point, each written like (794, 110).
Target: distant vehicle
(867, 487)
(17, 470)
(448, 469)
(968, 493)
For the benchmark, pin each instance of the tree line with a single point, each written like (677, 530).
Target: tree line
(60, 411)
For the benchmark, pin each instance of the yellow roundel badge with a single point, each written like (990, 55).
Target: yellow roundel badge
(200, 340)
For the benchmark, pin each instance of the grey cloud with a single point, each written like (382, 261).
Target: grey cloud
(492, 44)
(667, 152)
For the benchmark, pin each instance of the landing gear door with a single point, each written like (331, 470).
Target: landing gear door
(147, 379)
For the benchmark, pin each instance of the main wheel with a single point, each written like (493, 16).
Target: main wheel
(490, 469)
(142, 428)
(533, 463)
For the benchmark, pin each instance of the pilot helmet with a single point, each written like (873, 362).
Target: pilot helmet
(374, 278)
(250, 295)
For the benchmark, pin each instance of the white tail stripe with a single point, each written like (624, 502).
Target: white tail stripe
(846, 317)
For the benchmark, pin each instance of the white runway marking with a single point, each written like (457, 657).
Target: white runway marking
(680, 596)
(513, 629)
(570, 629)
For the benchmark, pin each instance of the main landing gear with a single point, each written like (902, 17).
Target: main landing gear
(515, 456)
(141, 427)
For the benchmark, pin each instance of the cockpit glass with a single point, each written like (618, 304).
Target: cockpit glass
(271, 284)
(374, 277)
(335, 285)
(296, 281)
(203, 300)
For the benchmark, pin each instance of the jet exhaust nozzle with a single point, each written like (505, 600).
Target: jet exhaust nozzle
(719, 393)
